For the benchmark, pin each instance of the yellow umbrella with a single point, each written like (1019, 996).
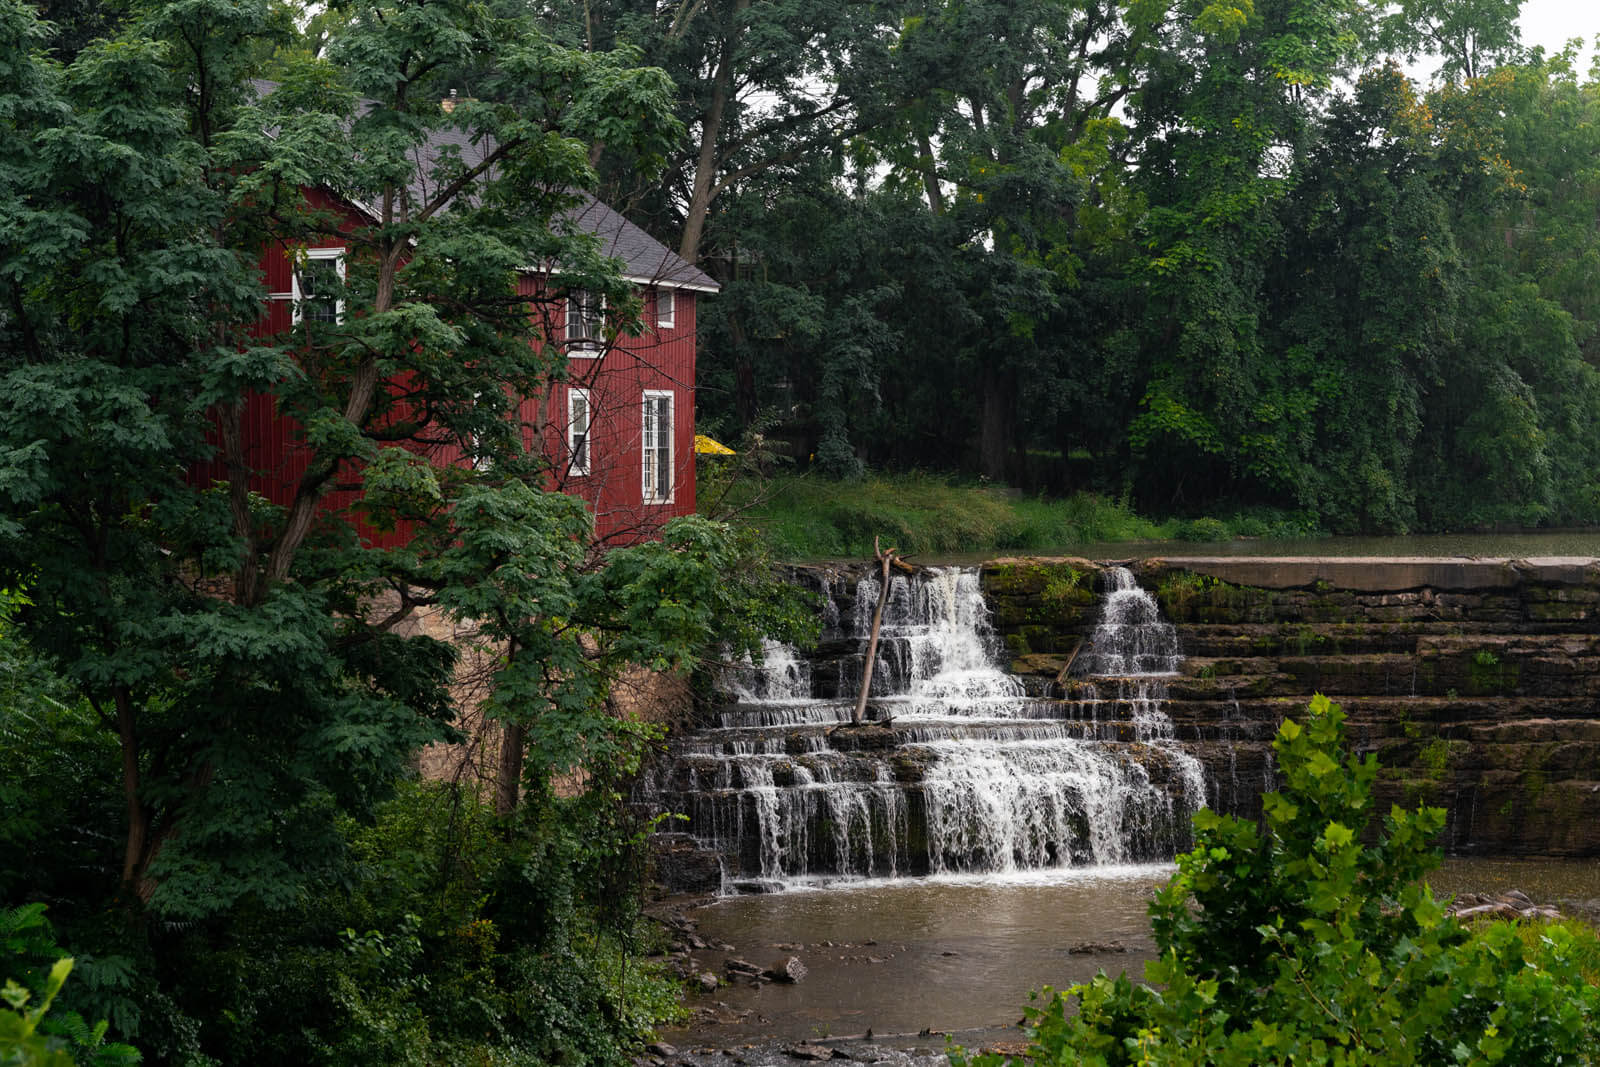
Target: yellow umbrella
(705, 446)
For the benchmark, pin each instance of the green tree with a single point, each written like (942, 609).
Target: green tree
(1223, 117)
(1468, 37)
(236, 675)
(232, 646)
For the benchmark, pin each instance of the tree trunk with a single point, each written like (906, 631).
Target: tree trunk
(860, 711)
(508, 779)
(134, 848)
(705, 167)
(930, 172)
(746, 400)
(230, 418)
(995, 428)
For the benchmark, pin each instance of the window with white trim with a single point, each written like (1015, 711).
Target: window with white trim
(657, 439)
(475, 452)
(580, 414)
(666, 309)
(586, 314)
(318, 286)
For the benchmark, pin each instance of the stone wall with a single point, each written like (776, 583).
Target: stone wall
(640, 693)
(1477, 682)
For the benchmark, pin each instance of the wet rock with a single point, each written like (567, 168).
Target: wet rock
(1511, 904)
(1096, 948)
(756, 885)
(807, 1051)
(683, 865)
(789, 970)
(742, 968)
(661, 1048)
(707, 982)
(868, 736)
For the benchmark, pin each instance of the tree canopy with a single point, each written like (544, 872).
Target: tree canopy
(1199, 255)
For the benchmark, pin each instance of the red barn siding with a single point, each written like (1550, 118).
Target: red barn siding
(617, 378)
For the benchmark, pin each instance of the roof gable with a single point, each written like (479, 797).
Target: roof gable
(645, 260)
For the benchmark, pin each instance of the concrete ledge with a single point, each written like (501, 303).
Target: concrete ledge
(1389, 574)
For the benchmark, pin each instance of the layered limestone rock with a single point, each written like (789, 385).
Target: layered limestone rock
(1476, 682)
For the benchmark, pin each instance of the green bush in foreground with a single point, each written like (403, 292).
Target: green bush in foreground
(1301, 944)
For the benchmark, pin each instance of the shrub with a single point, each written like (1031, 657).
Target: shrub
(455, 941)
(1203, 530)
(33, 971)
(1299, 943)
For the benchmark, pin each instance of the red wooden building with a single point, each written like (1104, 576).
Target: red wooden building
(617, 430)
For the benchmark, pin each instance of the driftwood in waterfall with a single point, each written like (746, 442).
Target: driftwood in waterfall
(1065, 672)
(886, 559)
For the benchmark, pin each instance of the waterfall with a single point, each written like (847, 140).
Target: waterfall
(782, 677)
(958, 769)
(1138, 649)
(1131, 638)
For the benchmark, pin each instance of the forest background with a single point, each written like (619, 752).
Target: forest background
(1196, 257)
(1189, 255)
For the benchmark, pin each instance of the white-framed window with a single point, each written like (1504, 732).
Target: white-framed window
(580, 416)
(657, 439)
(476, 455)
(318, 286)
(586, 317)
(666, 309)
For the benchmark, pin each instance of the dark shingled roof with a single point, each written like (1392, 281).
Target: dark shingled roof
(645, 260)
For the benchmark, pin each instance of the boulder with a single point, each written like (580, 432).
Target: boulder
(742, 968)
(788, 970)
(683, 865)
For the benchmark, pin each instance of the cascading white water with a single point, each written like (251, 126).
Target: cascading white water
(972, 775)
(936, 653)
(1133, 645)
(784, 676)
(1131, 639)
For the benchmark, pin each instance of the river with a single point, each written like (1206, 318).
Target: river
(911, 959)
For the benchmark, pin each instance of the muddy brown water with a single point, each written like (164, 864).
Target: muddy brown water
(960, 955)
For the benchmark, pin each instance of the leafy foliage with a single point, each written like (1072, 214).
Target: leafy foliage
(35, 972)
(1310, 942)
(1204, 257)
(450, 943)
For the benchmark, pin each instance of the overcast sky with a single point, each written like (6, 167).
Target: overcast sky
(1551, 22)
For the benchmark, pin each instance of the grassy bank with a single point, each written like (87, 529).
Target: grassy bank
(807, 517)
